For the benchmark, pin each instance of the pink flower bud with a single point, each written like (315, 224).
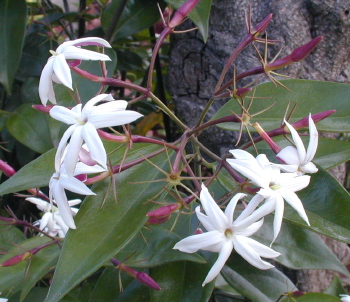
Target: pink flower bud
(198, 231)
(297, 55)
(7, 169)
(43, 108)
(260, 28)
(8, 220)
(182, 12)
(297, 294)
(147, 280)
(155, 221)
(242, 92)
(304, 122)
(274, 147)
(164, 211)
(16, 259)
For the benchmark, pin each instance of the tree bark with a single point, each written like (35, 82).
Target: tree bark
(195, 67)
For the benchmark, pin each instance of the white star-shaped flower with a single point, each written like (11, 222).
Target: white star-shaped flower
(224, 235)
(275, 186)
(52, 222)
(344, 298)
(61, 181)
(57, 68)
(84, 122)
(298, 155)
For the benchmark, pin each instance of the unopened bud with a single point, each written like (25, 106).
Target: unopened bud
(241, 92)
(274, 147)
(43, 108)
(297, 55)
(156, 221)
(260, 28)
(198, 231)
(182, 12)
(297, 294)
(164, 211)
(304, 122)
(8, 220)
(147, 280)
(7, 169)
(16, 259)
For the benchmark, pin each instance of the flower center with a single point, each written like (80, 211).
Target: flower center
(275, 187)
(228, 233)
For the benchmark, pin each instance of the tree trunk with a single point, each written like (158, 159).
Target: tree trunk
(195, 67)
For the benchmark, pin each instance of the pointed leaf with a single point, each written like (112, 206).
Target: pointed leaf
(310, 96)
(13, 15)
(335, 288)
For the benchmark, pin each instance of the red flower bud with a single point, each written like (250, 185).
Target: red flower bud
(164, 211)
(274, 147)
(260, 28)
(304, 122)
(7, 169)
(182, 12)
(16, 259)
(147, 280)
(43, 108)
(155, 221)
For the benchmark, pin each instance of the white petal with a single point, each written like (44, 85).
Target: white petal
(313, 142)
(205, 220)
(241, 154)
(45, 85)
(210, 241)
(81, 168)
(279, 210)
(62, 147)
(294, 183)
(89, 106)
(110, 119)
(65, 115)
(71, 158)
(213, 211)
(250, 230)
(40, 204)
(74, 202)
(229, 211)
(83, 42)
(95, 145)
(62, 71)
(253, 203)
(309, 168)
(243, 248)
(220, 262)
(295, 202)
(111, 106)
(74, 185)
(261, 249)
(76, 53)
(298, 142)
(289, 155)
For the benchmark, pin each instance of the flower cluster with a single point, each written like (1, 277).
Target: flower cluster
(276, 183)
(72, 159)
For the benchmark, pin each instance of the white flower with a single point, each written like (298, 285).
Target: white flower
(84, 122)
(52, 222)
(275, 186)
(224, 235)
(345, 298)
(57, 68)
(60, 181)
(299, 156)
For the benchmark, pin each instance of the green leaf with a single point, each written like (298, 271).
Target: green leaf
(31, 128)
(310, 97)
(13, 15)
(315, 297)
(330, 152)
(136, 16)
(327, 206)
(25, 274)
(299, 248)
(335, 288)
(199, 15)
(253, 283)
(35, 174)
(106, 225)
(9, 236)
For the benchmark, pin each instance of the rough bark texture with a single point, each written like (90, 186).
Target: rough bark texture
(195, 66)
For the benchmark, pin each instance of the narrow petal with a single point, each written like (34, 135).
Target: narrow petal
(94, 144)
(243, 248)
(205, 220)
(74, 202)
(217, 217)
(242, 154)
(77, 53)
(289, 155)
(298, 142)
(295, 183)
(309, 168)
(62, 71)
(71, 158)
(229, 211)
(45, 84)
(295, 202)
(74, 185)
(115, 105)
(81, 168)
(65, 115)
(220, 262)
(89, 106)
(83, 42)
(110, 119)
(313, 142)
(250, 230)
(210, 241)
(252, 205)
(279, 210)
(261, 249)
(60, 153)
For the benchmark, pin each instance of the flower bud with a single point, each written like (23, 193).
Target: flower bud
(241, 92)
(260, 28)
(304, 122)
(155, 221)
(297, 294)
(7, 169)
(164, 211)
(43, 108)
(16, 259)
(182, 12)
(147, 280)
(274, 147)
(297, 55)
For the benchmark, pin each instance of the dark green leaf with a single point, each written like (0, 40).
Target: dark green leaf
(35, 174)
(253, 283)
(136, 16)
(106, 225)
(299, 248)
(315, 297)
(310, 97)
(199, 15)
(327, 206)
(13, 15)
(335, 288)
(31, 128)
(9, 236)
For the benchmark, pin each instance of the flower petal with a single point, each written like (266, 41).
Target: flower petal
(77, 53)
(229, 211)
(45, 85)
(313, 142)
(298, 142)
(62, 71)
(261, 249)
(66, 115)
(220, 262)
(289, 155)
(109, 119)
(73, 149)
